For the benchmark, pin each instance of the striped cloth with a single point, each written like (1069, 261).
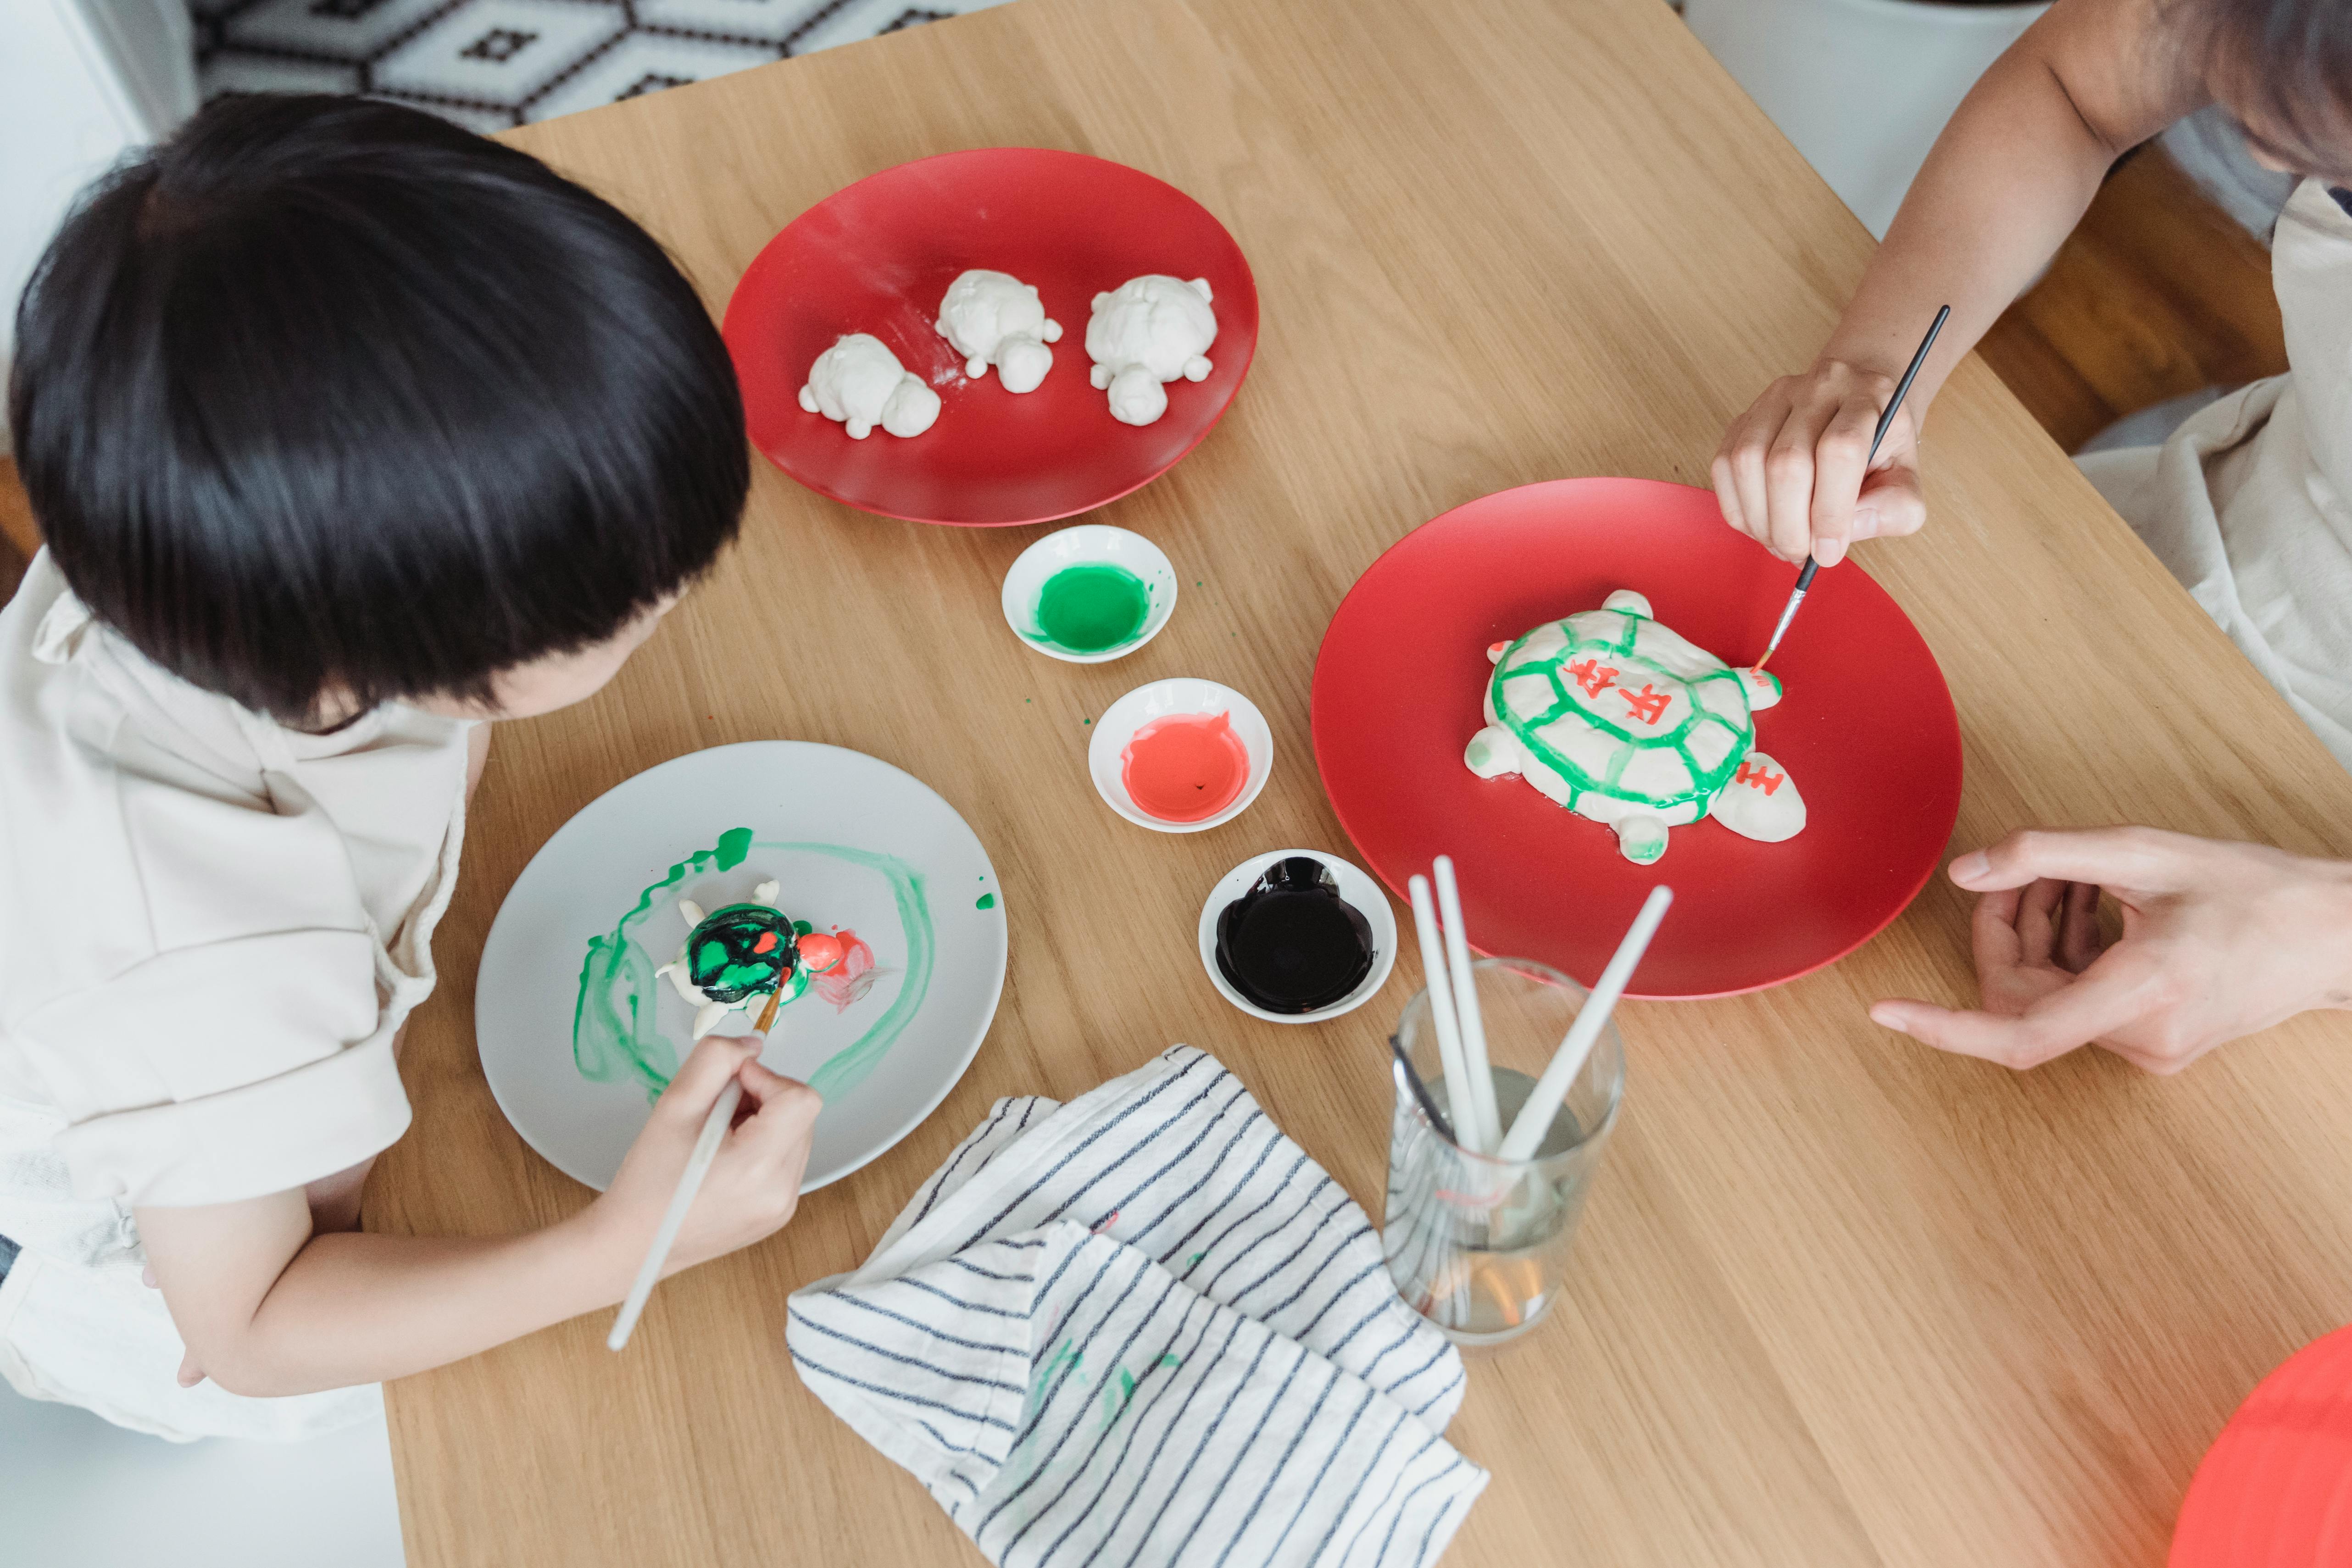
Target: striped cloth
(1144, 1328)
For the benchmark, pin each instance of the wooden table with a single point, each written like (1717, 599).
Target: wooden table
(1840, 1300)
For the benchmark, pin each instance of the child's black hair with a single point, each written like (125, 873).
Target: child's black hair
(326, 400)
(2283, 66)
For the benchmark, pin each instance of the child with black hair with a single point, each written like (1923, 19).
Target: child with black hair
(2249, 504)
(348, 431)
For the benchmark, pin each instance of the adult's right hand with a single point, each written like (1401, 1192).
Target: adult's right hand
(752, 1186)
(1795, 473)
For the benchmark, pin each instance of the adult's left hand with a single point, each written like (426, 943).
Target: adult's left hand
(2220, 940)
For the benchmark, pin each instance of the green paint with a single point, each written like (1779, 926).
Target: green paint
(613, 1036)
(1480, 754)
(1194, 1261)
(1086, 720)
(733, 844)
(1091, 608)
(987, 901)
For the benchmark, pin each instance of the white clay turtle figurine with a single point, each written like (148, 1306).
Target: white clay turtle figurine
(1147, 331)
(994, 319)
(1626, 723)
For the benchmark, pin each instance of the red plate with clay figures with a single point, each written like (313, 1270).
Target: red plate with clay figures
(2276, 1491)
(1866, 730)
(878, 256)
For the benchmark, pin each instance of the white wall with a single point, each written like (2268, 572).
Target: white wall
(81, 81)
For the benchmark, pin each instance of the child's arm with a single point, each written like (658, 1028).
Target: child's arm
(267, 1308)
(2007, 181)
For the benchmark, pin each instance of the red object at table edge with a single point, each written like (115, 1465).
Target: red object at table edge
(2275, 1490)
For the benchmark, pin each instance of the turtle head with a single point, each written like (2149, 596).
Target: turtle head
(1630, 602)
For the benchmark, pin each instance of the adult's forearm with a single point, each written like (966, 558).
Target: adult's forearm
(353, 1308)
(2006, 183)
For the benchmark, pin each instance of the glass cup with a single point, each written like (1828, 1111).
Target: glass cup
(1479, 1244)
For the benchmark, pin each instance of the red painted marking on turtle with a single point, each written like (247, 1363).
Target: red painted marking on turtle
(1495, 650)
(767, 943)
(1755, 775)
(1646, 705)
(1594, 676)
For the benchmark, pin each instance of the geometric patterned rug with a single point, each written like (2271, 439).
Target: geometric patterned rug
(492, 64)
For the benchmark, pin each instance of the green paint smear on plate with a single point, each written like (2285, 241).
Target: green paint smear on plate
(1092, 607)
(613, 1037)
(986, 901)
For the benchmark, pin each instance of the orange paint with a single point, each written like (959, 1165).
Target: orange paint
(1186, 767)
(820, 952)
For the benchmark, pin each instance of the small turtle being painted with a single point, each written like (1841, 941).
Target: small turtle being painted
(740, 953)
(1628, 723)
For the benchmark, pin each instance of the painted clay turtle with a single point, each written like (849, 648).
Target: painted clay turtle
(1624, 721)
(738, 954)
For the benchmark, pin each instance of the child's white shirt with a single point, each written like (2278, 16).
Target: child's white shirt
(211, 928)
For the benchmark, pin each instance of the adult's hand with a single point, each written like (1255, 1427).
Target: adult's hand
(1795, 473)
(2220, 940)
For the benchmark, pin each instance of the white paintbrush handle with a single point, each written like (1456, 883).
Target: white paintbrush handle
(1486, 1118)
(1459, 1105)
(689, 1181)
(1533, 1123)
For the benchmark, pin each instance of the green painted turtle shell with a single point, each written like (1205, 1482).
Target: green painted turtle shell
(741, 950)
(1620, 706)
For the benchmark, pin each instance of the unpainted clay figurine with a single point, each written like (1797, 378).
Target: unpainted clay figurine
(1146, 332)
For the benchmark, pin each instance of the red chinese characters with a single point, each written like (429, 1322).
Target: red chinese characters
(1755, 775)
(1594, 676)
(1646, 705)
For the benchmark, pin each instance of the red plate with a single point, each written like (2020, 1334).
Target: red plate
(1866, 730)
(876, 256)
(2276, 1490)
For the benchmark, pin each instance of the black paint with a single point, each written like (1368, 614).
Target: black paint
(1291, 943)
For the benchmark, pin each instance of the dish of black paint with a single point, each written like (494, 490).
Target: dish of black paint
(1291, 943)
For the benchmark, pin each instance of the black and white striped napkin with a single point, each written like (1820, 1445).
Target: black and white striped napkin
(1144, 1328)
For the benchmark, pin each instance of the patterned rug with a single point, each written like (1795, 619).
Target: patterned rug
(491, 64)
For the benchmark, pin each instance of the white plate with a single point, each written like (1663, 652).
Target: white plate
(1087, 544)
(1355, 887)
(855, 843)
(1107, 752)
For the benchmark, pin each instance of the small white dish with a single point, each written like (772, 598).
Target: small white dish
(1087, 544)
(1355, 887)
(1106, 754)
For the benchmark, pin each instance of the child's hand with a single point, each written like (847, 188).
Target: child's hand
(752, 1186)
(1794, 472)
(2220, 940)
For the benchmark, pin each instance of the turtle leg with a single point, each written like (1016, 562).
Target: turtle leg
(1641, 839)
(1492, 753)
(708, 1019)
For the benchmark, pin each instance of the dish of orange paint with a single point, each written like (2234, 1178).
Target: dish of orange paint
(1185, 767)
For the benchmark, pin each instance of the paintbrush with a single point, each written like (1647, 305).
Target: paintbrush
(689, 1181)
(1805, 577)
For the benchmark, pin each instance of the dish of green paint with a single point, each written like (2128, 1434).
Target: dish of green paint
(1088, 594)
(1092, 608)
(577, 1031)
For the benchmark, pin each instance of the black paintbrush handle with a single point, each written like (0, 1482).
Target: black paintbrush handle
(1421, 1093)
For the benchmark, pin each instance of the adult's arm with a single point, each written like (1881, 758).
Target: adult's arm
(2006, 182)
